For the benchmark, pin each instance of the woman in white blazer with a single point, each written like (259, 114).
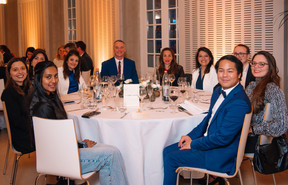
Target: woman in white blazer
(69, 75)
(204, 77)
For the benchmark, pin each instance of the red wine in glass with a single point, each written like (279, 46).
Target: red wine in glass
(173, 97)
(182, 91)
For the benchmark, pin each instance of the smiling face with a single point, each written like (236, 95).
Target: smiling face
(18, 72)
(227, 74)
(39, 58)
(29, 54)
(167, 57)
(203, 58)
(61, 52)
(72, 62)
(241, 53)
(50, 79)
(257, 70)
(119, 50)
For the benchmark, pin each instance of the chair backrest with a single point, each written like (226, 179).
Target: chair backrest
(243, 139)
(56, 147)
(267, 117)
(8, 127)
(86, 76)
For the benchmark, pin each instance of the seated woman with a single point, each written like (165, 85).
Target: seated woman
(28, 55)
(45, 103)
(266, 89)
(15, 96)
(204, 77)
(60, 56)
(39, 55)
(168, 62)
(69, 75)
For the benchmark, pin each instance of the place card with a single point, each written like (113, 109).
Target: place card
(131, 95)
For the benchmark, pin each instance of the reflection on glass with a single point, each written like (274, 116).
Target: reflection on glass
(149, 4)
(157, 4)
(158, 17)
(149, 17)
(150, 46)
(74, 24)
(69, 13)
(158, 32)
(172, 16)
(74, 35)
(158, 45)
(70, 24)
(150, 61)
(157, 60)
(69, 3)
(172, 45)
(172, 31)
(150, 32)
(69, 35)
(73, 13)
(172, 3)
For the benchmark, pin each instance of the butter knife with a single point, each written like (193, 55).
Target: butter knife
(181, 109)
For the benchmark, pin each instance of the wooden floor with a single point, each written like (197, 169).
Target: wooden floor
(27, 173)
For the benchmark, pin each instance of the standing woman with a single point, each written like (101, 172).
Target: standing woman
(39, 55)
(266, 89)
(69, 75)
(205, 76)
(45, 103)
(60, 56)
(15, 97)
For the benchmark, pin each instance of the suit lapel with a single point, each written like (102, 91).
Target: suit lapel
(226, 100)
(114, 67)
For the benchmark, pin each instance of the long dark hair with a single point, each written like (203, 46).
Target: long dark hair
(35, 53)
(206, 50)
(11, 83)
(258, 93)
(77, 69)
(39, 93)
(173, 65)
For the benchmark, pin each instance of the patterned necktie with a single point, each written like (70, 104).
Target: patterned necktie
(119, 68)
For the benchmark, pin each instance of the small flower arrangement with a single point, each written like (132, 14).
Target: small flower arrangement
(128, 81)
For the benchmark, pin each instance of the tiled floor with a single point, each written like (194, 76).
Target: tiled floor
(27, 173)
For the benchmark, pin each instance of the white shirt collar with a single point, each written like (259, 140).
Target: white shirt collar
(227, 91)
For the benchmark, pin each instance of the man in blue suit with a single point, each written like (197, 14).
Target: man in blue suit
(213, 144)
(119, 65)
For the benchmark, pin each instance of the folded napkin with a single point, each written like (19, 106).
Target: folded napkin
(70, 97)
(194, 108)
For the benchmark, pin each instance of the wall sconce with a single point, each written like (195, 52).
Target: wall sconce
(3, 1)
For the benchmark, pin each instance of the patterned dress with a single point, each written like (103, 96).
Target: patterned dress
(275, 96)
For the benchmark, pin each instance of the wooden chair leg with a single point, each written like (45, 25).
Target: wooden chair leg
(6, 160)
(254, 174)
(240, 177)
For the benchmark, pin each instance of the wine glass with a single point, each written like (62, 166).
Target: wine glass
(149, 91)
(171, 78)
(113, 79)
(120, 78)
(142, 94)
(181, 81)
(92, 81)
(104, 81)
(173, 95)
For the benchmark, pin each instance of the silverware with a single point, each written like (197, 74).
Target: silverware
(181, 109)
(152, 108)
(124, 115)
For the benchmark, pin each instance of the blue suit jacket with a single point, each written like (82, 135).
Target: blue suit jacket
(221, 143)
(109, 68)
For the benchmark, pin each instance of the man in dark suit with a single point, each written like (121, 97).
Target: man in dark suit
(119, 64)
(242, 52)
(213, 144)
(86, 61)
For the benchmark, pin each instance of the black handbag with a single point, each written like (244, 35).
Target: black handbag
(271, 158)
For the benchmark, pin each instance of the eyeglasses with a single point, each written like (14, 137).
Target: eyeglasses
(241, 54)
(260, 64)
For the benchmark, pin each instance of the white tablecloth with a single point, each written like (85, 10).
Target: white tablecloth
(140, 138)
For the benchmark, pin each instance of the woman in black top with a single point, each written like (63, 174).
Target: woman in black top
(167, 61)
(15, 96)
(45, 103)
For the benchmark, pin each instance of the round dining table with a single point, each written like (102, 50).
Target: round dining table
(140, 136)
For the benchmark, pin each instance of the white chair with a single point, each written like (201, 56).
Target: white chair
(18, 154)
(57, 149)
(240, 154)
(263, 140)
(86, 77)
